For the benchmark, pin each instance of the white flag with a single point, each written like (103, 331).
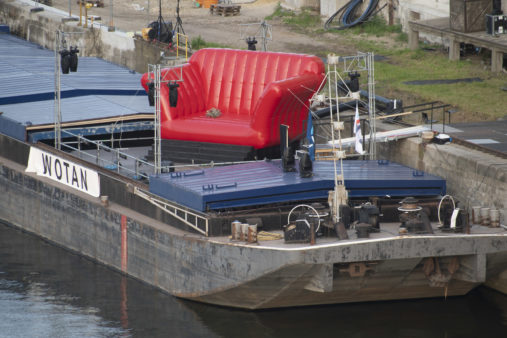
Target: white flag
(357, 132)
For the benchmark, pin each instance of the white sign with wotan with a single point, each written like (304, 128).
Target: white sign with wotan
(63, 171)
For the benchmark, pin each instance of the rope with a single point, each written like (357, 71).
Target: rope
(268, 236)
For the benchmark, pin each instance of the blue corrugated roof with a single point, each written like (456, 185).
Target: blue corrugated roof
(265, 182)
(27, 86)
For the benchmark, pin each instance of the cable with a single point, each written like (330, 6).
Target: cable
(347, 13)
(331, 18)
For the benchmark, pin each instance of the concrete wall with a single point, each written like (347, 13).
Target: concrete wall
(421, 9)
(296, 4)
(473, 177)
(40, 28)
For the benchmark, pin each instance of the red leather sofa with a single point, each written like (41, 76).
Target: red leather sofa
(254, 91)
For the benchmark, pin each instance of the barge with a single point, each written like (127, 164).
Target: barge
(179, 231)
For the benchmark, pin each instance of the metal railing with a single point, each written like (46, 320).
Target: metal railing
(432, 108)
(180, 36)
(109, 164)
(192, 219)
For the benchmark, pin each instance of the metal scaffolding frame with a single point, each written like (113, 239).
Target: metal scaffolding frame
(337, 68)
(263, 31)
(60, 42)
(361, 63)
(155, 76)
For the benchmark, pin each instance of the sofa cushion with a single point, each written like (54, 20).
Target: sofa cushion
(234, 80)
(219, 130)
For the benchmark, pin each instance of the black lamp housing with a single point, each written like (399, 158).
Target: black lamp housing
(173, 93)
(305, 165)
(65, 61)
(73, 58)
(251, 41)
(354, 81)
(151, 93)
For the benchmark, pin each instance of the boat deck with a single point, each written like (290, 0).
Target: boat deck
(98, 93)
(387, 231)
(265, 182)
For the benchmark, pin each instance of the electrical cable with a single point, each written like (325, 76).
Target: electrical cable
(348, 17)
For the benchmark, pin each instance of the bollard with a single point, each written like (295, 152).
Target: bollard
(235, 230)
(104, 200)
(244, 232)
(494, 216)
(252, 234)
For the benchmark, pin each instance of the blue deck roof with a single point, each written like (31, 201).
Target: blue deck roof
(265, 182)
(99, 89)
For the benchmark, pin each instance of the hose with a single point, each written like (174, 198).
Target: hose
(347, 14)
(341, 107)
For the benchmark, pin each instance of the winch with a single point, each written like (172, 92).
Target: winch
(413, 219)
(303, 223)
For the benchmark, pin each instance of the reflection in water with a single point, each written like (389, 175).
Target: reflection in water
(46, 291)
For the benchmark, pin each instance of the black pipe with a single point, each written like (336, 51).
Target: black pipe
(341, 107)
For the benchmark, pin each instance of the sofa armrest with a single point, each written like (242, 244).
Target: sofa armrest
(190, 92)
(285, 102)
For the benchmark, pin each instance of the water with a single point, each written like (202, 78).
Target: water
(45, 291)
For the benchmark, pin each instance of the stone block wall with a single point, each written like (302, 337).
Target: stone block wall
(473, 177)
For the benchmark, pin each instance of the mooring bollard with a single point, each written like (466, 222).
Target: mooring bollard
(235, 230)
(104, 200)
(252, 234)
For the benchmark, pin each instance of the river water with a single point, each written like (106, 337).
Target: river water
(46, 291)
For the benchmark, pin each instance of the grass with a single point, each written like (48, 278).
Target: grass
(305, 19)
(377, 26)
(199, 43)
(486, 97)
(475, 100)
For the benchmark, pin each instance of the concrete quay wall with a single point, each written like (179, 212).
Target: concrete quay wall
(473, 177)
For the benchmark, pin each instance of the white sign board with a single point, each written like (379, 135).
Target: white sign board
(63, 171)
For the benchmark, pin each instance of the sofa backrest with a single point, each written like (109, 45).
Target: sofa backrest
(233, 80)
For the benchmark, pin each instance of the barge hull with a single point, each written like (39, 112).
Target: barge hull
(217, 271)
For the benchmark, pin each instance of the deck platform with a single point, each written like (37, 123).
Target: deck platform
(441, 27)
(264, 182)
(98, 93)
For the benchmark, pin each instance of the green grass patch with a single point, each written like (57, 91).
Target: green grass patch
(199, 43)
(280, 13)
(485, 97)
(307, 18)
(376, 26)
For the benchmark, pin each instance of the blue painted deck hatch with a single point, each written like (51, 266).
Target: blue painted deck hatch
(264, 182)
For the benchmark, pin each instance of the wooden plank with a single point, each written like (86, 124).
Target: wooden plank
(441, 27)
